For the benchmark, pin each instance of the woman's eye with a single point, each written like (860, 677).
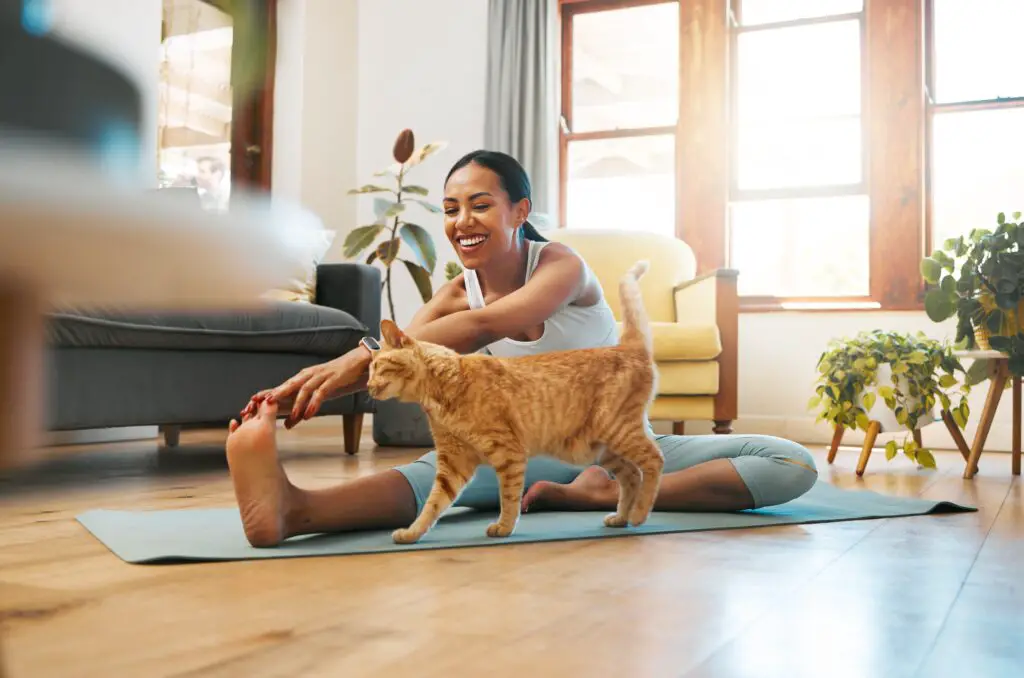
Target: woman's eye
(480, 207)
(451, 212)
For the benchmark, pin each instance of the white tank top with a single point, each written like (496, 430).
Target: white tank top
(570, 327)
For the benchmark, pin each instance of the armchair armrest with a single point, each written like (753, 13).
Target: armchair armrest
(711, 299)
(353, 288)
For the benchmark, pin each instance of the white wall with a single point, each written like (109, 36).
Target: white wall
(127, 34)
(422, 66)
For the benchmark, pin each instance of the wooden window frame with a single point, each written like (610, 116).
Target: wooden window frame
(897, 114)
(568, 10)
(252, 112)
(935, 108)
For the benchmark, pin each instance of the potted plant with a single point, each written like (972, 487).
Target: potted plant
(980, 280)
(395, 423)
(394, 225)
(894, 378)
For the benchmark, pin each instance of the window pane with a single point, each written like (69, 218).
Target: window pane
(799, 154)
(195, 101)
(805, 71)
(622, 184)
(799, 100)
(977, 49)
(625, 68)
(976, 170)
(769, 11)
(816, 247)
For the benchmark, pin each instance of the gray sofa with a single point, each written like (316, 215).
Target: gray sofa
(175, 370)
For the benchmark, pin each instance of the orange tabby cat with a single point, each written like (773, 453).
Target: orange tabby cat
(578, 406)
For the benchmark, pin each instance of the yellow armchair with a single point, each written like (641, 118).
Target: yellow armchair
(694, 320)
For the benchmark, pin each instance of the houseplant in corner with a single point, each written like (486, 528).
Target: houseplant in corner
(400, 240)
(980, 279)
(895, 378)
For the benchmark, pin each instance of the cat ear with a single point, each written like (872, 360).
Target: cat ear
(393, 336)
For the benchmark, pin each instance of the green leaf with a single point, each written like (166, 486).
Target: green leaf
(360, 238)
(421, 278)
(814, 403)
(387, 251)
(900, 368)
(1001, 218)
(395, 209)
(890, 450)
(869, 401)
(947, 381)
(415, 190)
(978, 372)
(886, 392)
(1016, 216)
(451, 270)
(380, 206)
(431, 207)
(931, 270)
(369, 188)
(424, 152)
(373, 257)
(421, 243)
(926, 459)
(939, 306)
(959, 418)
(862, 421)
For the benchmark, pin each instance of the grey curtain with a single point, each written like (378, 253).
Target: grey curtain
(522, 94)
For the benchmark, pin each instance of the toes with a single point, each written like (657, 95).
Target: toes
(268, 409)
(233, 426)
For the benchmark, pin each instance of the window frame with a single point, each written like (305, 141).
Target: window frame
(934, 108)
(568, 10)
(897, 80)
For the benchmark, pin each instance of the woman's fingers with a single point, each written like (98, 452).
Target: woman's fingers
(320, 395)
(302, 398)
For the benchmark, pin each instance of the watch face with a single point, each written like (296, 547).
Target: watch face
(371, 343)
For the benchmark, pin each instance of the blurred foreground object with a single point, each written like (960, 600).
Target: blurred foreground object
(77, 229)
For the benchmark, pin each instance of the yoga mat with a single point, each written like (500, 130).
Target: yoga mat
(190, 535)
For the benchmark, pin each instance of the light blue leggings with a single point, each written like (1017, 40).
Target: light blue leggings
(775, 470)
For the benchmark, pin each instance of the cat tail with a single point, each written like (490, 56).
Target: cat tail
(635, 326)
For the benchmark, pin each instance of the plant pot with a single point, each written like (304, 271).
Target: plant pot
(981, 337)
(881, 413)
(398, 424)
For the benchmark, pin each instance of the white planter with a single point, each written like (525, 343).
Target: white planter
(881, 413)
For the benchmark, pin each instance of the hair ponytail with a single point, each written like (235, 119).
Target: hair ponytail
(530, 232)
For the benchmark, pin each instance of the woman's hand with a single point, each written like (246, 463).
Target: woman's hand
(304, 393)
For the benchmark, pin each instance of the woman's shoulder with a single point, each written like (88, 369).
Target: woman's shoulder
(588, 291)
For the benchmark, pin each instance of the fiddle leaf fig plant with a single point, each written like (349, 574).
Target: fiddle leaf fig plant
(980, 279)
(404, 240)
(910, 374)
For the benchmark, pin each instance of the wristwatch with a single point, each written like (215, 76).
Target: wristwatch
(371, 344)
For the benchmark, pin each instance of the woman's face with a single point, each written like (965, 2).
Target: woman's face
(479, 219)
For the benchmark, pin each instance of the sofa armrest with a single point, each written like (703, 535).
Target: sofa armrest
(712, 299)
(353, 288)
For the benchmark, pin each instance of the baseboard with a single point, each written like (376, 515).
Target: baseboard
(804, 430)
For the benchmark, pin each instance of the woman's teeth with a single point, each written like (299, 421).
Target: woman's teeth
(469, 242)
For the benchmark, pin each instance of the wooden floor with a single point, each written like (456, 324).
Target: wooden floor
(930, 596)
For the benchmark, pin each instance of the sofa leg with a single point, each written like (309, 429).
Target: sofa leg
(679, 428)
(353, 425)
(723, 426)
(171, 434)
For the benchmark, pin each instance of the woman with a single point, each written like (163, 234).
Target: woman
(519, 294)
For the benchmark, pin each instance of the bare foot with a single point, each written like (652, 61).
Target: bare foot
(261, 486)
(592, 490)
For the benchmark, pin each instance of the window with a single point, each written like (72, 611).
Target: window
(976, 89)
(216, 93)
(798, 179)
(620, 106)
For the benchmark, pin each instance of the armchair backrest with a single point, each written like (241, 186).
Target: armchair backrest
(611, 253)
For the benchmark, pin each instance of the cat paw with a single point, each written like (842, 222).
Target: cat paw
(639, 516)
(497, 530)
(405, 536)
(615, 520)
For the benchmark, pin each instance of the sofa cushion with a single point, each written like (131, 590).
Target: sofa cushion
(279, 327)
(673, 341)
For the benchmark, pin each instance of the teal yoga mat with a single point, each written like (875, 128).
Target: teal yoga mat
(190, 535)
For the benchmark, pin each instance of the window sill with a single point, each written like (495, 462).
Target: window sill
(749, 305)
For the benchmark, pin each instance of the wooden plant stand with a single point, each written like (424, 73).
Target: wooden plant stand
(999, 373)
(871, 435)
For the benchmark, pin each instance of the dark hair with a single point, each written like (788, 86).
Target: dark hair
(513, 179)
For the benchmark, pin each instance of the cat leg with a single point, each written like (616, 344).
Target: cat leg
(511, 472)
(454, 469)
(628, 478)
(645, 454)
